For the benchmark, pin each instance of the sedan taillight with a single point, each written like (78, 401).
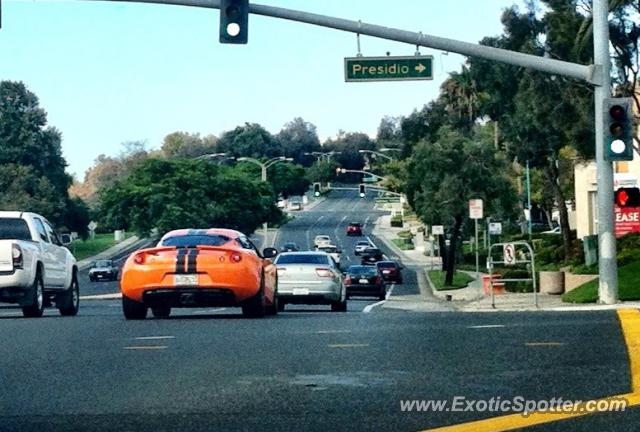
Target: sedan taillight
(323, 272)
(16, 254)
(281, 271)
(236, 257)
(138, 258)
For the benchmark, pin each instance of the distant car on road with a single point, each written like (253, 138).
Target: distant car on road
(332, 250)
(391, 271)
(361, 245)
(310, 278)
(321, 240)
(290, 247)
(295, 205)
(371, 255)
(354, 229)
(35, 267)
(556, 230)
(364, 280)
(103, 270)
(199, 268)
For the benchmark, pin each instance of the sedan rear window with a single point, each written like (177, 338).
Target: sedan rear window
(302, 259)
(362, 270)
(14, 229)
(386, 264)
(196, 240)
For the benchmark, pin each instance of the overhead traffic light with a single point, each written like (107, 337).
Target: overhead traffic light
(627, 197)
(234, 21)
(362, 190)
(618, 129)
(316, 189)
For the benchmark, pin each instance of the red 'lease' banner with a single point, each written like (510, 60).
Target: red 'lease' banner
(627, 220)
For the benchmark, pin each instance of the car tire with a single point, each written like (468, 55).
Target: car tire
(36, 308)
(281, 305)
(133, 310)
(339, 306)
(91, 279)
(254, 307)
(382, 295)
(161, 311)
(68, 302)
(273, 309)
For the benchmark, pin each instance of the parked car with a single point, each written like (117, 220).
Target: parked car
(289, 247)
(332, 250)
(36, 269)
(103, 270)
(361, 245)
(199, 268)
(354, 229)
(391, 271)
(310, 278)
(371, 255)
(295, 205)
(364, 280)
(321, 240)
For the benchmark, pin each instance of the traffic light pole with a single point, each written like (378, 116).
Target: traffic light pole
(607, 266)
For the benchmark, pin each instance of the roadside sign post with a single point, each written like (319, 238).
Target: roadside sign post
(437, 231)
(92, 229)
(475, 213)
(509, 258)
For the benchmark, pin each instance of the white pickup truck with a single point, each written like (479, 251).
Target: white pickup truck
(36, 268)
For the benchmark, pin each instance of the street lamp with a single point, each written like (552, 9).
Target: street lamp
(320, 155)
(263, 167)
(210, 156)
(389, 149)
(375, 153)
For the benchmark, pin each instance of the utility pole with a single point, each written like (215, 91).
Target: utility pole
(607, 266)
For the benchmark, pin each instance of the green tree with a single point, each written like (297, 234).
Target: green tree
(172, 194)
(322, 172)
(250, 140)
(449, 171)
(186, 145)
(297, 138)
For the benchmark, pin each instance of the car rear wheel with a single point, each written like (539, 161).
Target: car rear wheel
(161, 311)
(133, 310)
(339, 306)
(382, 295)
(254, 307)
(68, 302)
(36, 308)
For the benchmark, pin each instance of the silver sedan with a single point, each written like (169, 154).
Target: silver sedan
(310, 278)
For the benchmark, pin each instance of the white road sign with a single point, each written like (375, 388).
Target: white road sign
(475, 209)
(495, 228)
(509, 253)
(437, 230)
(92, 226)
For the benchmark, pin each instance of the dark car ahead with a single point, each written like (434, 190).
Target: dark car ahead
(391, 271)
(290, 247)
(103, 270)
(354, 229)
(362, 280)
(371, 255)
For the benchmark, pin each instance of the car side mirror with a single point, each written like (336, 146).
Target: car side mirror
(65, 239)
(269, 252)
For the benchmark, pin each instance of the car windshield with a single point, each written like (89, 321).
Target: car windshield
(14, 229)
(103, 263)
(196, 240)
(362, 271)
(302, 259)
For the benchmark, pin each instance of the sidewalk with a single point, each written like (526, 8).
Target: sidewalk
(106, 254)
(471, 298)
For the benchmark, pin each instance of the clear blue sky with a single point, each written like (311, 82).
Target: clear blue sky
(111, 72)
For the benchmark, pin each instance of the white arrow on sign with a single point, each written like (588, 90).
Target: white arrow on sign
(420, 68)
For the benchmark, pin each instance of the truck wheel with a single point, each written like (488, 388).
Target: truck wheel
(68, 302)
(133, 310)
(36, 308)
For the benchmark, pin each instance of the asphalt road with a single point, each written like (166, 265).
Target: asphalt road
(306, 369)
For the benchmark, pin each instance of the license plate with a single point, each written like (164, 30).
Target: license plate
(364, 281)
(188, 279)
(300, 291)
(386, 271)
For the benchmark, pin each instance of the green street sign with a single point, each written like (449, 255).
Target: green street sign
(398, 68)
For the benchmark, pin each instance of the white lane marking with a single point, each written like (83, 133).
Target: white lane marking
(113, 296)
(348, 345)
(207, 311)
(154, 337)
(371, 242)
(146, 347)
(11, 314)
(335, 231)
(381, 302)
(332, 331)
(348, 258)
(309, 229)
(486, 326)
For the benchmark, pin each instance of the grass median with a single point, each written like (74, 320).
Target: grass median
(628, 286)
(82, 249)
(460, 280)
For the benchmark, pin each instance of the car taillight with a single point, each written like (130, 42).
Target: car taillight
(236, 257)
(16, 254)
(138, 258)
(376, 280)
(322, 272)
(281, 271)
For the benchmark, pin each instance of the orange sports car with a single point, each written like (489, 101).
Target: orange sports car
(199, 268)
